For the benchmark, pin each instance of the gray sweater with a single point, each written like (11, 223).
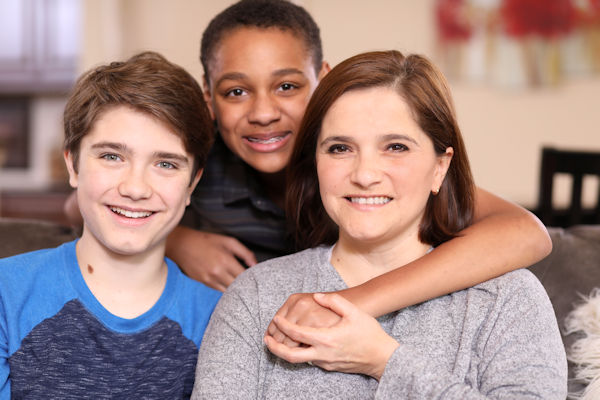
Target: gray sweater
(497, 340)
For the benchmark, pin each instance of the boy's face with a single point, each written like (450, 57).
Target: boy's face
(259, 85)
(133, 182)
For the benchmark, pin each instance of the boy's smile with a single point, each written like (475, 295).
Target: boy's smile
(260, 83)
(133, 182)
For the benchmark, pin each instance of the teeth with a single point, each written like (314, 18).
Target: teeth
(268, 141)
(131, 214)
(370, 200)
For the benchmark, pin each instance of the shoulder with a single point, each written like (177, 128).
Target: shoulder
(19, 266)
(516, 292)
(267, 285)
(521, 280)
(192, 290)
(192, 304)
(280, 271)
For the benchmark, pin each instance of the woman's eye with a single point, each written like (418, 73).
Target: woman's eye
(235, 92)
(397, 147)
(110, 157)
(338, 148)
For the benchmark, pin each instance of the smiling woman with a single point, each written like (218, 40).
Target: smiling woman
(380, 177)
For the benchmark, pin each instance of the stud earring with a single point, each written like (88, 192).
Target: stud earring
(435, 192)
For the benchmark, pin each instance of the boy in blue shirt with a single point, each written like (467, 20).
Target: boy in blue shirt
(108, 316)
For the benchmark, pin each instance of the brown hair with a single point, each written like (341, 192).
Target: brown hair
(147, 83)
(426, 91)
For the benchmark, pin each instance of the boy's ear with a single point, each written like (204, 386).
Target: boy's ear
(325, 68)
(207, 96)
(73, 178)
(193, 185)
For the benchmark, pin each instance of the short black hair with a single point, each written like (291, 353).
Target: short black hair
(264, 14)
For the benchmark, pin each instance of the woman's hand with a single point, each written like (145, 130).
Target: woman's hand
(301, 309)
(355, 344)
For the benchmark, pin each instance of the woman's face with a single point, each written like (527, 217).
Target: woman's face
(376, 167)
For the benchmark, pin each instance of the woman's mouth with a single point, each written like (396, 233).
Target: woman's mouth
(371, 200)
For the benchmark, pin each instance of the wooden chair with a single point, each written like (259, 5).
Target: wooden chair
(577, 164)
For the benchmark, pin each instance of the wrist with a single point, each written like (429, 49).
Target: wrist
(388, 347)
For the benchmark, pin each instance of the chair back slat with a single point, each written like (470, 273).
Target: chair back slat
(577, 164)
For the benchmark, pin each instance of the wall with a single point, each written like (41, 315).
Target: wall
(504, 129)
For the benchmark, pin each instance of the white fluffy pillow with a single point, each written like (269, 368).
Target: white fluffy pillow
(585, 352)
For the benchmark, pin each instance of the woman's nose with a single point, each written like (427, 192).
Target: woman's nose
(365, 171)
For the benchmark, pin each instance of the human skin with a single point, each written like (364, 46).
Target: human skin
(257, 87)
(503, 237)
(134, 180)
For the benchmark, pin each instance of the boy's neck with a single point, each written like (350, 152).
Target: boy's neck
(274, 184)
(127, 286)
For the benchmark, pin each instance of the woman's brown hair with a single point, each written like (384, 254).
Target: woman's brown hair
(426, 91)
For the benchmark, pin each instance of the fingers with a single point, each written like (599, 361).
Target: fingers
(290, 354)
(218, 272)
(279, 336)
(300, 334)
(207, 257)
(335, 302)
(239, 250)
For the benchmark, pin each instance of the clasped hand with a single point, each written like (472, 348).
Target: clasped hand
(338, 337)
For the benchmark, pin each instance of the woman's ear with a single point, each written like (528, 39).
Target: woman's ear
(443, 163)
(69, 161)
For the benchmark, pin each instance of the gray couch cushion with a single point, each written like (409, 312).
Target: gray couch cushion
(570, 271)
(22, 235)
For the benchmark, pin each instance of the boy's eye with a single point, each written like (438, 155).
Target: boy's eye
(166, 165)
(397, 147)
(110, 157)
(338, 148)
(284, 87)
(235, 92)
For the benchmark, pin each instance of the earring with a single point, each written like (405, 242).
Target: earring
(435, 192)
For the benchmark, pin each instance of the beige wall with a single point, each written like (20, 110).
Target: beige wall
(504, 129)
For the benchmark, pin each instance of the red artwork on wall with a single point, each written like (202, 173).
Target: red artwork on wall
(519, 42)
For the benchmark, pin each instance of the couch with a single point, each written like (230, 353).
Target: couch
(570, 271)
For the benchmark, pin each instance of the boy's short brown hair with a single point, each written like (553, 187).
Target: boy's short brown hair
(147, 83)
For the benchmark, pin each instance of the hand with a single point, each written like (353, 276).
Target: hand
(356, 344)
(72, 213)
(208, 257)
(301, 309)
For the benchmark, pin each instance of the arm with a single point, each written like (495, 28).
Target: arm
(71, 210)
(503, 237)
(208, 257)
(230, 352)
(514, 351)
(4, 354)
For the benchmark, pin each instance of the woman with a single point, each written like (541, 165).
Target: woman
(380, 178)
